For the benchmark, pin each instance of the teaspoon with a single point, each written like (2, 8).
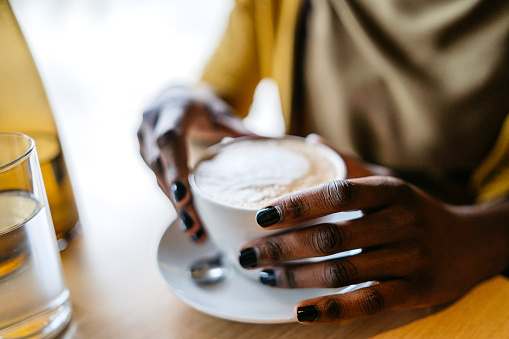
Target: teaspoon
(207, 271)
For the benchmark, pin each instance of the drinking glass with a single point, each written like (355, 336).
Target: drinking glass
(34, 298)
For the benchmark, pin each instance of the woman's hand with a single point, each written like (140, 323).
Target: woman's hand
(177, 114)
(416, 250)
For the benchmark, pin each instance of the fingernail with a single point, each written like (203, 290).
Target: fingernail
(179, 190)
(307, 313)
(187, 221)
(268, 216)
(197, 235)
(268, 277)
(247, 258)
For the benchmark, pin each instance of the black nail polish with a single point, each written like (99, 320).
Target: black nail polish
(268, 216)
(179, 190)
(247, 258)
(187, 221)
(307, 313)
(268, 277)
(197, 235)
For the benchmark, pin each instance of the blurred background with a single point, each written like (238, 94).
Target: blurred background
(102, 62)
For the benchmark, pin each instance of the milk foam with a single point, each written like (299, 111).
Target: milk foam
(251, 173)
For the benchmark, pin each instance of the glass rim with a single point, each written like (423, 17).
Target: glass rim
(24, 155)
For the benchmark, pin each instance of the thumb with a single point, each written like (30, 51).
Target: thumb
(224, 119)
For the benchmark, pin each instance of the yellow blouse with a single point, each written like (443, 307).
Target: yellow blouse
(259, 42)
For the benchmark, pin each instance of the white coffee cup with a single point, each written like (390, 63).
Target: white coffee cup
(230, 227)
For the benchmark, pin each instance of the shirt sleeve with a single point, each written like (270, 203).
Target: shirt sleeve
(233, 70)
(491, 179)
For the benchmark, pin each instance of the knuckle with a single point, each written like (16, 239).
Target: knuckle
(340, 192)
(295, 206)
(218, 108)
(406, 190)
(150, 116)
(339, 274)
(333, 309)
(329, 239)
(273, 250)
(167, 138)
(394, 181)
(289, 276)
(372, 302)
(414, 221)
(155, 165)
(402, 187)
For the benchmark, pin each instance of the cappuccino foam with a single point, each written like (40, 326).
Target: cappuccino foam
(250, 173)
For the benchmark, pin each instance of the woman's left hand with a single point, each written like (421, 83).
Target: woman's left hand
(417, 250)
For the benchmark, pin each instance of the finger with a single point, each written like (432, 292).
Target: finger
(150, 154)
(335, 196)
(220, 114)
(148, 146)
(173, 157)
(191, 224)
(380, 228)
(385, 296)
(229, 124)
(379, 265)
(158, 171)
(139, 134)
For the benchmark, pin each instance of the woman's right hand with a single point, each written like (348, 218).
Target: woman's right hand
(176, 115)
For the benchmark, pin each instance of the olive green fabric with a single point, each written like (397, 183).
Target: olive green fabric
(415, 85)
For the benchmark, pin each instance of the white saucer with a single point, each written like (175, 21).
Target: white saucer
(235, 298)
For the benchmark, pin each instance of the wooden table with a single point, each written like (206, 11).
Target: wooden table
(117, 292)
(101, 62)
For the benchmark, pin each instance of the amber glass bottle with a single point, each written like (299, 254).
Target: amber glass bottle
(24, 108)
